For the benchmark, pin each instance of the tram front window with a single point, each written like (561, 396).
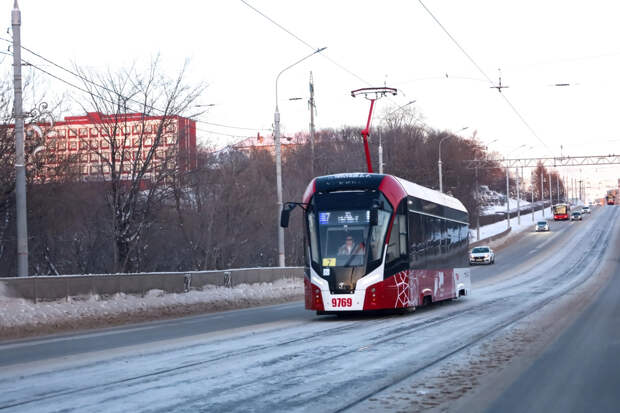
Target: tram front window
(345, 238)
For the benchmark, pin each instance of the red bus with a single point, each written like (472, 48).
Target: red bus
(561, 212)
(611, 199)
(377, 242)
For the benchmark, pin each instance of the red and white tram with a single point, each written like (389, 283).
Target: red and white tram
(380, 242)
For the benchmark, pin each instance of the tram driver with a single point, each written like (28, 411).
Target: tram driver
(351, 248)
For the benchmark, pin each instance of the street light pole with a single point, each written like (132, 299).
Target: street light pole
(278, 150)
(518, 200)
(311, 104)
(507, 200)
(439, 157)
(20, 167)
(532, 186)
(542, 192)
(550, 190)
(477, 206)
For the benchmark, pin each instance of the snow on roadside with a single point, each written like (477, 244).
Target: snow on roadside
(487, 231)
(18, 312)
(492, 209)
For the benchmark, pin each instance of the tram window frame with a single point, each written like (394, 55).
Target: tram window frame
(397, 244)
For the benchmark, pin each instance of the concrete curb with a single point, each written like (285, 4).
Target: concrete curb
(48, 288)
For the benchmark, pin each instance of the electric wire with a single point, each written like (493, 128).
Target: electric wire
(103, 87)
(306, 43)
(477, 66)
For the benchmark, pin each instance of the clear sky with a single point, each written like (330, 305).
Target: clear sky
(238, 53)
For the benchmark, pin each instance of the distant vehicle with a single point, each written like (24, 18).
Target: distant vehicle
(542, 226)
(586, 210)
(561, 212)
(576, 216)
(481, 255)
(611, 199)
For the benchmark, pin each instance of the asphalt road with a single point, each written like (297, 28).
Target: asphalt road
(580, 370)
(282, 358)
(530, 249)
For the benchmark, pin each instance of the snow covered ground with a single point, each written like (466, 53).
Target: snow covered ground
(23, 317)
(526, 224)
(492, 209)
(328, 364)
(17, 312)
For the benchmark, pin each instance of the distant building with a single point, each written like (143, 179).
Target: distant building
(87, 144)
(267, 143)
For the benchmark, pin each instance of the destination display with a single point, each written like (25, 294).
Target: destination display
(344, 217)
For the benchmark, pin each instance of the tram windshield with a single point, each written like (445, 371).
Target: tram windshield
(340, 230)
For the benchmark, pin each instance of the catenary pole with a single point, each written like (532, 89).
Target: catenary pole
(550, 190)
(532, 185)
(20, 167)
(518, 200)
(542, 192)
(477, 207)
(312, 108)
(507, 200)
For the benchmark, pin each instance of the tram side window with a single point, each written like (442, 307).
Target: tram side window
(402, 234)
(397, 247)
(314, 241)
(416, 233)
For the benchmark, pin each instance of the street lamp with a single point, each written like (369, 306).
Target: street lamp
(276, 118)
(439, 161)
(380, 144)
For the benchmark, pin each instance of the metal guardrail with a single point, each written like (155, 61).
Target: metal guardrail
(47, 288)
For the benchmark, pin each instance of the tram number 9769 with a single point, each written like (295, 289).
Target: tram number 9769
(342, 302)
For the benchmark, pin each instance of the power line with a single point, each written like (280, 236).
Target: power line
(85, 79)
(112, 102)
(233, 127)
(306, 43)
(477, 66)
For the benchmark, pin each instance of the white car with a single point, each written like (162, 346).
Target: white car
(542, 226)
(481, 255)
(585, 210)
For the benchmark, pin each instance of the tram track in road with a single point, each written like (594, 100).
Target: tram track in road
(490, 333)
(376, 334)
(584, 261)
(395, 333)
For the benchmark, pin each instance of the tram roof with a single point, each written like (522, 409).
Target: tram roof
(360, 180)
(431, 195)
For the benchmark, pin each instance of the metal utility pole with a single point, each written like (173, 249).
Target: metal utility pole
(550, 191)
(20, 167)
(507, 201)
(542, 192)
(557, 185)
(439, 163)
(312, 109)
(477, 207)
(518, 200)
(278, 150)
(532, 185)
(380, 150)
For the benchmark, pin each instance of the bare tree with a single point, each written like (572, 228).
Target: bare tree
(138, 158)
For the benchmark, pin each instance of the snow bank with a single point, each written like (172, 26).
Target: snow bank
(23, 317)
(492, 209)
(487, 231)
